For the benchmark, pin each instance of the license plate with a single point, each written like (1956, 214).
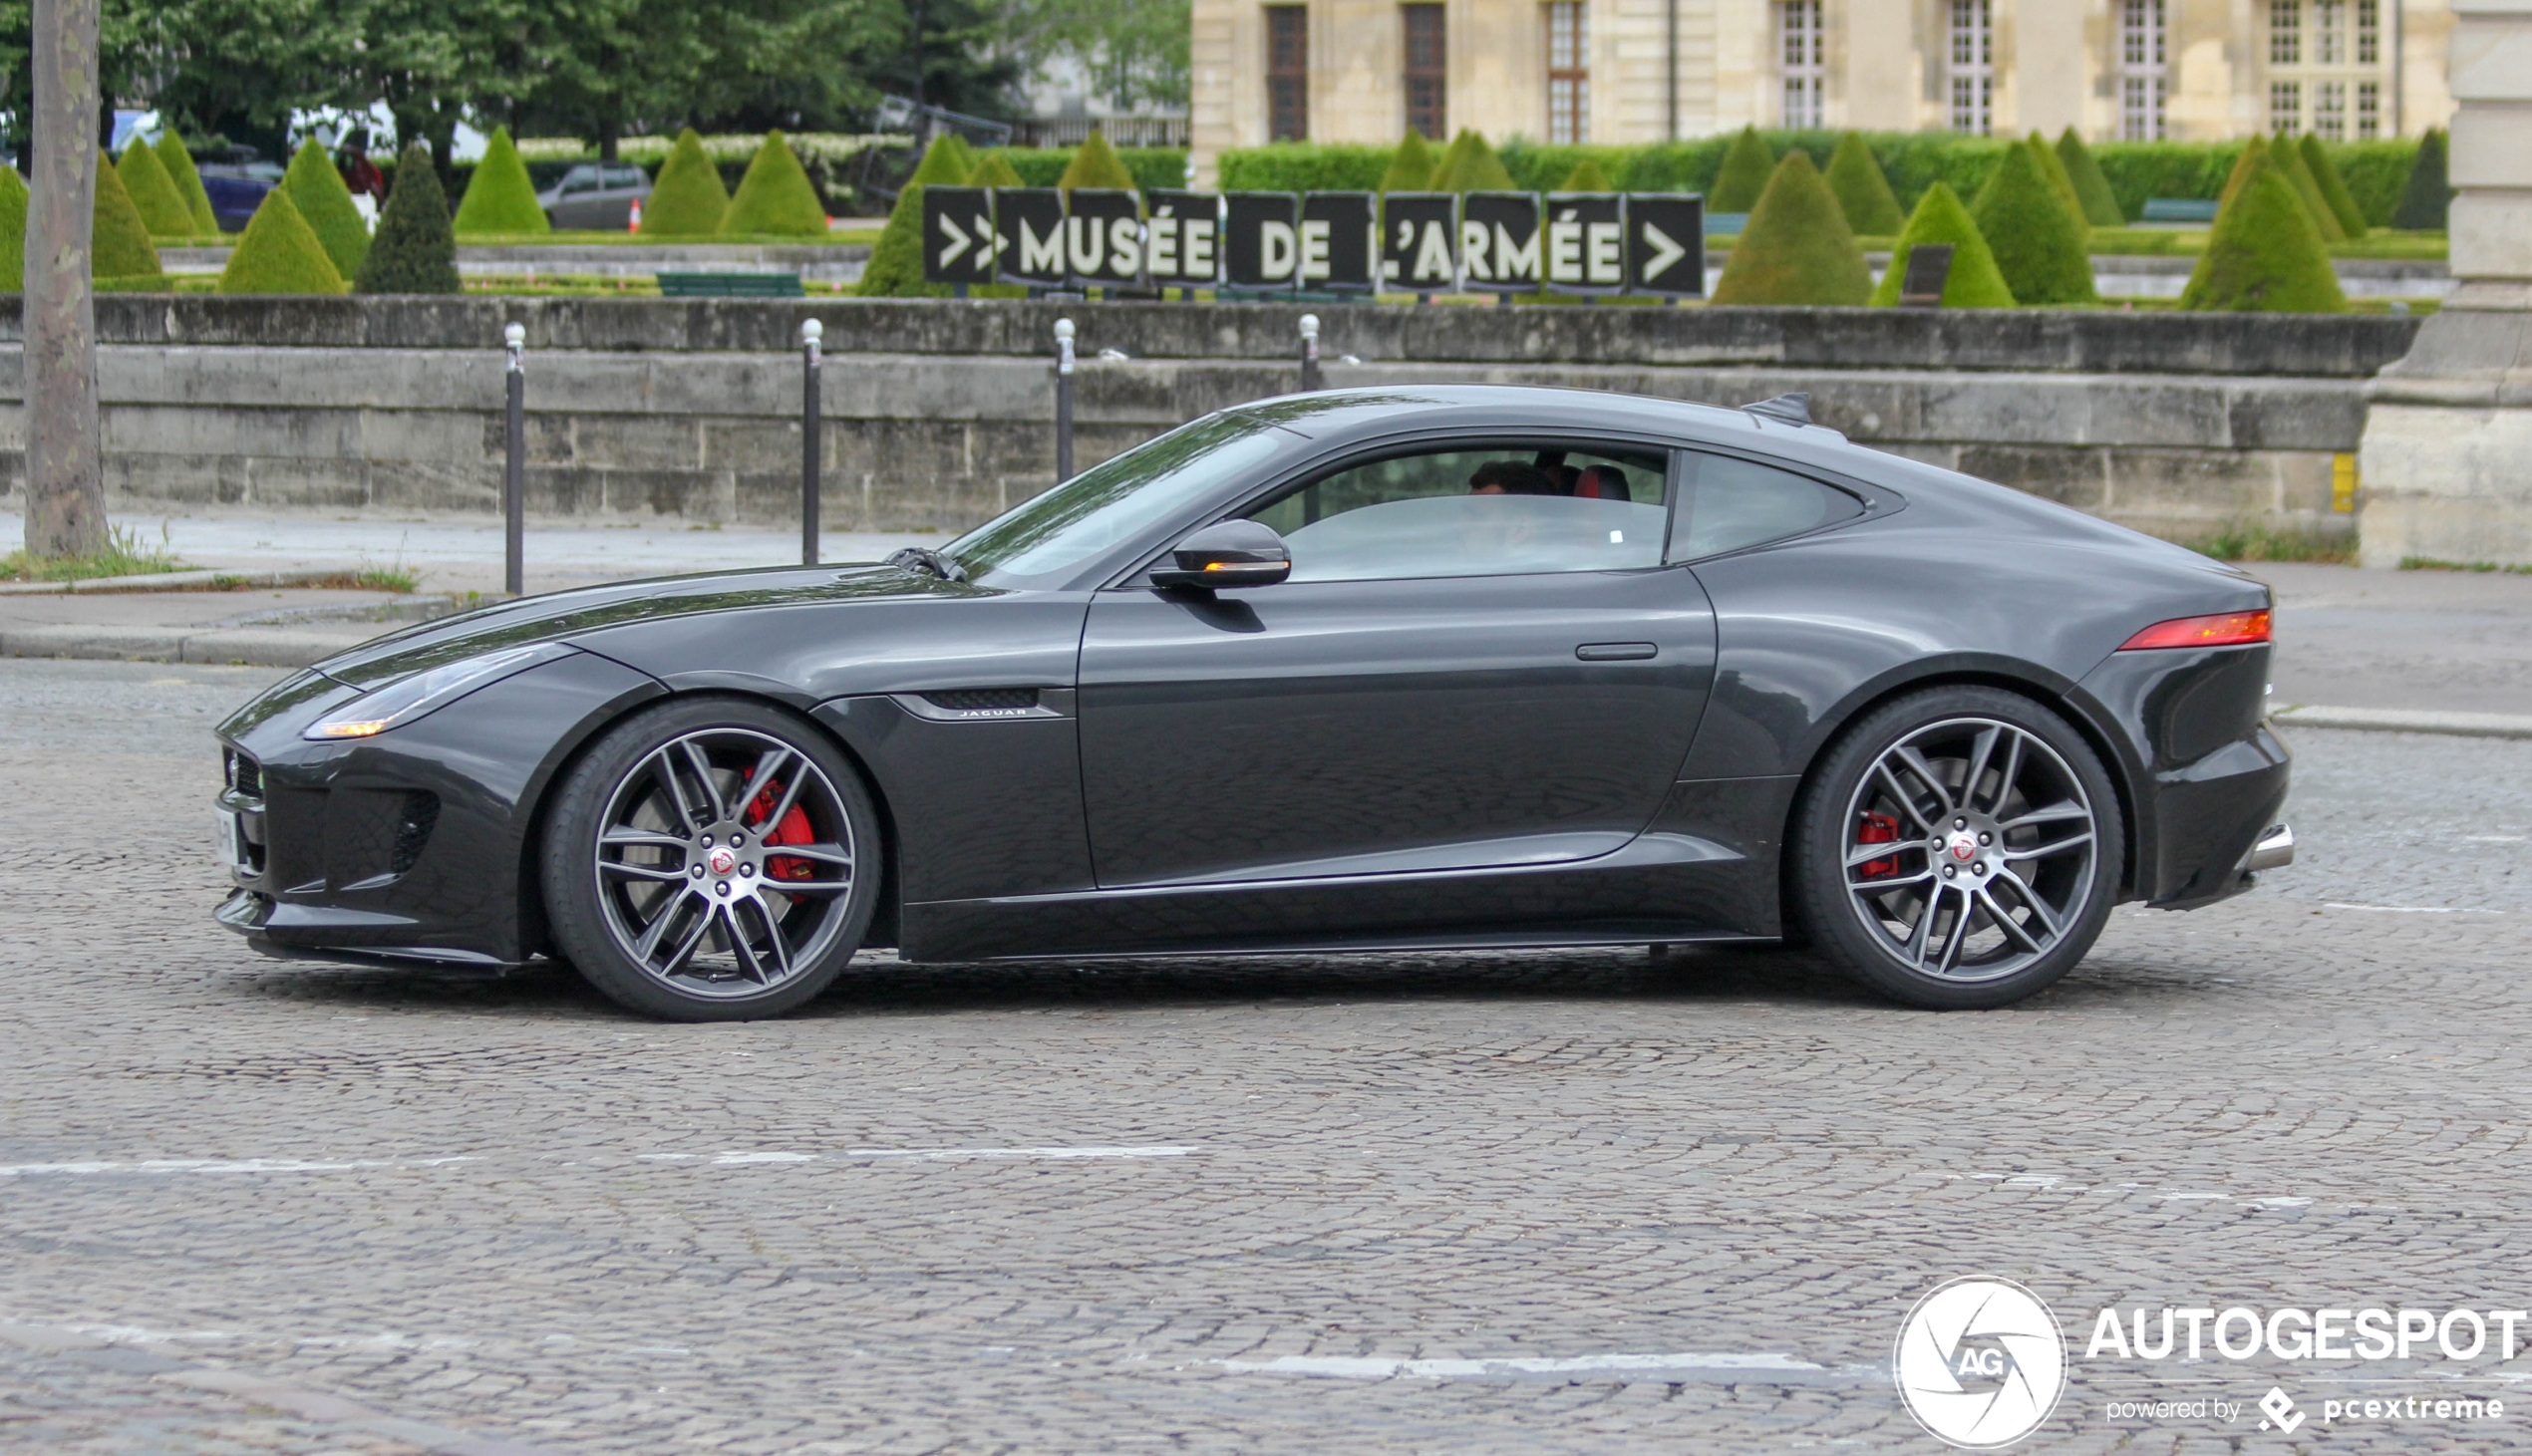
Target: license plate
(233, 844)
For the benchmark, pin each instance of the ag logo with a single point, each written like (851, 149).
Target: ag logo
(1981, 1363)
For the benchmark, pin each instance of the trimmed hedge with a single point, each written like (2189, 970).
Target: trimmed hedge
(1974, 281)
(279, 253)
(1862, 192)
(1748, 169)
(1470, 165)
(2334, 188)
(499, 197)
(775, 197)
(2055, 168)
(415, 250)
(993, 171)
(2099, 204)
(2427, 194)
(1152, 166)
(325, 205)
(189, 182)
(895, 269)
(1411, 165)
(2265, 253)
(1539, 168)
(1094, 166)
(687, 198)
(2038, 243)
(119, 248)
(13, 198)
(2289, 160)
(1796, 248)
(145, 179)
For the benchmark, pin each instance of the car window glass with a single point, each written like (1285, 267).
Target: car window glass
(624, 176)
(1503, 510)
(1045, 541)
(581, 179)
(1727, 504)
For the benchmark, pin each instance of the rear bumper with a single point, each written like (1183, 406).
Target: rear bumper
(2206, 776)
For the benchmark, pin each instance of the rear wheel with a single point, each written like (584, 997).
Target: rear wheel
(1960, 848)
(712, 859)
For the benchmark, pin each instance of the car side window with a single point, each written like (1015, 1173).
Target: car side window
(1511, 509)
(581, 179)
(1726, 504)
(624, 176)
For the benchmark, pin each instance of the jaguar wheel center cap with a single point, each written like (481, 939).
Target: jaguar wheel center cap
(723, 860)
(1963, 847)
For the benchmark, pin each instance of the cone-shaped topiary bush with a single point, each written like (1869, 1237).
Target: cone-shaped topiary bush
(1470, 166)
(120, 253)
(189, 182)
(1862, 192)
(2289, 160)
(500, 198)
(279, 253)
(2333, 187)
(993, 170)
(2252, 151)
(415, 250)
(687, 198)
(1974, 281)
(2429, 192)
(325, 205)
(1094, 164)
(2055, 169)
(2038, 245)
(895, 269)
(12, 230)
(1797, 247)
(1586, 178)
(776, 195)
(1747, 167)
(154, 193)
(2264, 254)
(1411, 166)
(2092, 187)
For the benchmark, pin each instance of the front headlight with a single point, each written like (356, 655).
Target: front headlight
(407, 699)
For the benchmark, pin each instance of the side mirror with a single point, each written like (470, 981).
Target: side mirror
(1227, 553)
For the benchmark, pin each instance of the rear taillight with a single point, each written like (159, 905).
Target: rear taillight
(2225, 629)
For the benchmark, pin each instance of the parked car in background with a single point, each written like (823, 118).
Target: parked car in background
(596, 194)
(237, 187)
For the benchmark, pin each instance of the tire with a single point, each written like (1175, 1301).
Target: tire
(667, 890)
(1941, 919)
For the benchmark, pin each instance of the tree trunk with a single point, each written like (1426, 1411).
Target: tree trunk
(607, 132)
(65, 494)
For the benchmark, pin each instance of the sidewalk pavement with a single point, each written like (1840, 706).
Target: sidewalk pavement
(2410, 650)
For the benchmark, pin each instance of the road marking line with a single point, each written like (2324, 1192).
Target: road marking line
(220, 1165)
(2411, 909)
(1671, 1368)
(737, 1158)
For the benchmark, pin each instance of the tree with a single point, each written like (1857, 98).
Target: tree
(2429, 193)
(775, 197)
(1797, 247)
(1134, 52)
(2264, 254)
(1855, 178)
(2037, 242)
(279, 253)
(1974, 281)
(415, 250)
(1749, 165)
(65, 484)
(950, 53)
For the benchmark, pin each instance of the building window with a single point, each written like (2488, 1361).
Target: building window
(2369, 111)
(2286, 32)
(1972, 68)
(1802, 51)
(1287, 73)
(2143, 70)
(1568, 72)
(2329, 109)
(2330, 32)
(2285, 106)
(1427, 72)
(2369, 32)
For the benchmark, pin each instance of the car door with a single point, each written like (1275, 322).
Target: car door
(1449, 680)
(576, 199)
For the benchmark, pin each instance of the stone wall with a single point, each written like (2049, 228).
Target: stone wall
(938, 413)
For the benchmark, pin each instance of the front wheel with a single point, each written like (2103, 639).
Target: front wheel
(1960, 848)
(712, 859)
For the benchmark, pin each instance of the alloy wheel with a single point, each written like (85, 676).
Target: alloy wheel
(1970, 849)
(724, 861)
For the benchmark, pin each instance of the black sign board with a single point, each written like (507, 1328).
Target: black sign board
(1586, 248)
(1103, 236)
(958, 235)
(1183, 240)
(1665, 243)
(1029, 228)
(1261, 248)
(1336, 246)
(1928, 271)
(1499, 239)
(1420, 241)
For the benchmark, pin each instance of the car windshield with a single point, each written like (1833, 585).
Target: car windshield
(1045, 541)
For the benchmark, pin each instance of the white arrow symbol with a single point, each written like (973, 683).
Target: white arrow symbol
(1665, 253)
(958, 240)
(985, 234)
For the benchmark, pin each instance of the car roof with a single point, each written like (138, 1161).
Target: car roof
(1352, 416)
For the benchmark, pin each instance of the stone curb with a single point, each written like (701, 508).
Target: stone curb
(268, 647)
(299, 1401)
(2407, 720)
(176, 581)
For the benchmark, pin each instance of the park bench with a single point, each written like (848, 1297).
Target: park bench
(730, 285)
(2180, 209)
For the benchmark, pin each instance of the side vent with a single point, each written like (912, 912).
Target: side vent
(984, 699)
(413, 830)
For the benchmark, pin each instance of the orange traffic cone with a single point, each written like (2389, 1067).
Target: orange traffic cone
(635, 225)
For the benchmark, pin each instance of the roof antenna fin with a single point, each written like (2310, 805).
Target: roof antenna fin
(1791, 409)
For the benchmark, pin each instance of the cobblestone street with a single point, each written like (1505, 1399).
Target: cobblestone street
(1597, 1201)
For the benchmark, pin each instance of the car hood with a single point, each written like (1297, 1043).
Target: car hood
(564, 616)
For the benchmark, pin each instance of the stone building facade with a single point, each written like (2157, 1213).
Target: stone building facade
(1635, 71)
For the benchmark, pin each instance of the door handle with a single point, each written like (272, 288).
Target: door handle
(1616, 652)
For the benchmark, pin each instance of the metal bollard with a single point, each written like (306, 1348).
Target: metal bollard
(1309, 353)
(812, 333)
(514, 473)
(1063, 400)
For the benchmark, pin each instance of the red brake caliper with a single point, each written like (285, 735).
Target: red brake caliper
(792, 830)
(1879, 829)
